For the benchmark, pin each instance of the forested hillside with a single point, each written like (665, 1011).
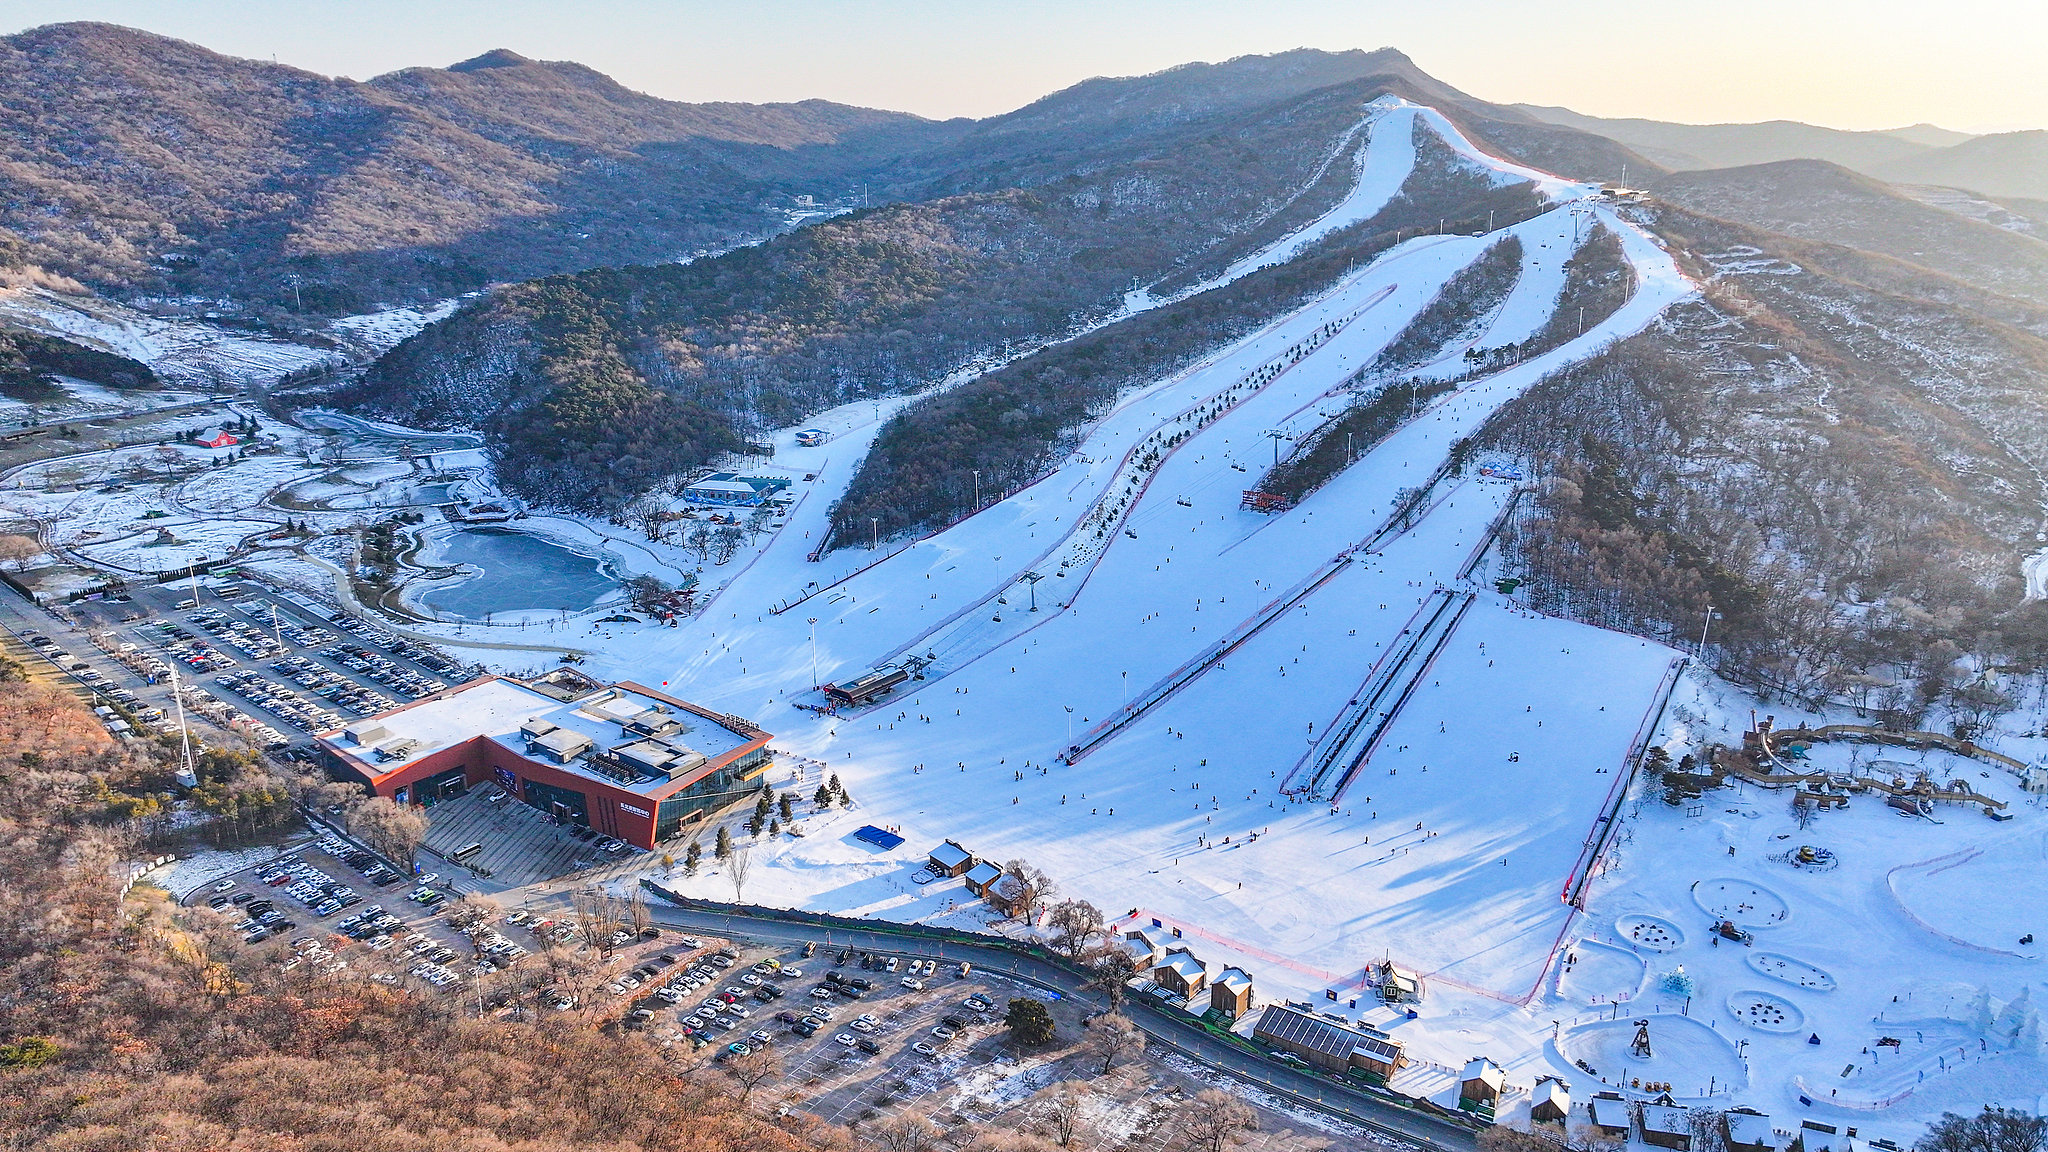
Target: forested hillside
(130, 1025)
(1010, 423)
(871, 303)
(140, 164)
(1829, 448)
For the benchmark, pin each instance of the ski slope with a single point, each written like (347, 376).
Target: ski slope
(1473, 806)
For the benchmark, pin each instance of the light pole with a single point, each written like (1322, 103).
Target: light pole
(874, 533)
(1701, 653)
(1127, 689)
(1070, 724)
(977, 489)
(814, 651)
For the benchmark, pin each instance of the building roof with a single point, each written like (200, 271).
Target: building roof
(1749, 1127)
(983, 873)
(949, 855)
(1666, 1118)
(1184, 964)
(722, 487)
(1609, 1110)
(1233, 978)
(613, 718)
(1480, 1068)
(1307, 1030)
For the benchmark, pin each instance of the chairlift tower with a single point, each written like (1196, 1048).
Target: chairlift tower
(1032, 579)
(1277, 434)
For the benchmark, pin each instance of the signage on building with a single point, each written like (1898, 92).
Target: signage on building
(635, 811)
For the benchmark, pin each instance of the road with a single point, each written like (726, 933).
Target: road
(1294, 1087)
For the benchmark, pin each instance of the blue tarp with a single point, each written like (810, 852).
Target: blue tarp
(879, 837)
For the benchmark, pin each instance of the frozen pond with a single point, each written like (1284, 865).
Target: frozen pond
(516, 572)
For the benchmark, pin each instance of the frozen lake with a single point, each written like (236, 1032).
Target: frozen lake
(516, 572)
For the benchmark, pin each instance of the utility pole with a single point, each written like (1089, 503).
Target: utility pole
(1700, 653)
(814, 651)
(977, 489)
(874, 533)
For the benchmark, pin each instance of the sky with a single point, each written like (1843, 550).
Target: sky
(1971, 65)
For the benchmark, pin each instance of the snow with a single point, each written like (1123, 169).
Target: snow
(184, 352)
(382, 331)
(1468, 819)
(1523, 738)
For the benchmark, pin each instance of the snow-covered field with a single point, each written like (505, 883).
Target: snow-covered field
(184, 353)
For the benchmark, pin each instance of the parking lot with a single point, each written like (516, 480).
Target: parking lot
(855, 1038)
(269, 664)
(332, 907)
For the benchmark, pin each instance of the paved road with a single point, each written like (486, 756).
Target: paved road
(1293, 1086)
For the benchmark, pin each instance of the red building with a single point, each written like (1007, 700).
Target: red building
(623, 759)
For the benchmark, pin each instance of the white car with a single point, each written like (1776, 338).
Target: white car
(223, 885)
(913, 983)
(844, 1040)
(862, 1026)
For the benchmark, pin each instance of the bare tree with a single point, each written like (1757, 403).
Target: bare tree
(1212, 1120)
(737, 866)
(908, 1132)
(1060, 1106)
(395, 830)
(16, 550)
(637, 909)
(1112, 966)
(750, 1070)
(1032, 885)
(1113, 1038)
(599, 915)
(1074, 924)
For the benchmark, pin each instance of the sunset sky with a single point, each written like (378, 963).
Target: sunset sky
(1972, 65)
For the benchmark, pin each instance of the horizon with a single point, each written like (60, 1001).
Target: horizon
(1827, 64)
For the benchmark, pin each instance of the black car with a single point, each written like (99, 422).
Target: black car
(867, 1045)
(834, 977)
(803, 1029)
(788, 1017)
(848, 991)
(859, 983)
(767, 992)
(954, 1022)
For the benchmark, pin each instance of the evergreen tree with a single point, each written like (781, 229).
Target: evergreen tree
(822, 797)
(775, 828)
(724, 846)
(784, 804)
(834, 785)
(692, 857)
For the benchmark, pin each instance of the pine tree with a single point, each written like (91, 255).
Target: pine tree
(845, 801)
(834, 784)
(691, 857)
(784, 804)
(761, 806)
(724, 846)
(822, 797)
(775, 828)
